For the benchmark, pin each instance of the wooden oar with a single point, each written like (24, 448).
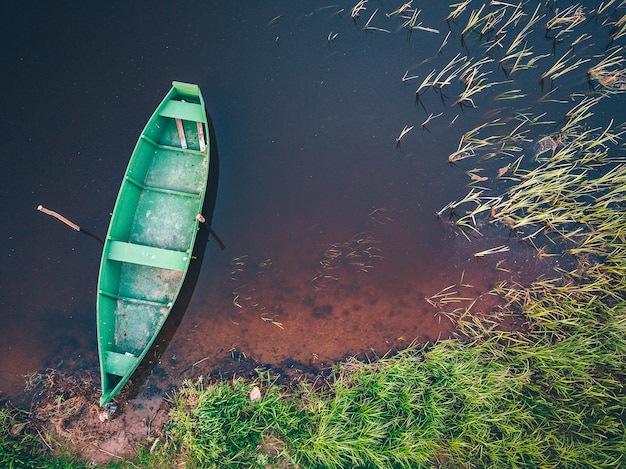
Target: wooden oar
(202, 221)
(69, 223)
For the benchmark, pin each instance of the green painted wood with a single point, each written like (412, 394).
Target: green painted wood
(152, 232)
(147, 255)
(119, 363)
(183, 110)
(141, 301)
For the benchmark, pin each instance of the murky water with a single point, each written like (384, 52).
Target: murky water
(333, 245)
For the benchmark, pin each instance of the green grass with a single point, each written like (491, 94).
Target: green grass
(217, 424)
(20, 447)
(480, 404)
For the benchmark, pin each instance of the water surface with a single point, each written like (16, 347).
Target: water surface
(333, 245)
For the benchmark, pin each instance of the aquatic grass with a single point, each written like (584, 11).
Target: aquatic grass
(355, 11)
(605, 6)
(491, 251)
(608, 75)
(510, 94)
(561, 67)
(368, 27)
(567, 19)
(458, 9)
(400, 10)
(475, 82)
(574, 190)
(619, 28)
(523, 32)
(473, 21)
(405, 131)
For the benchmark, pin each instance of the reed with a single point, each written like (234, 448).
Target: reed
(356, 10)
(457, 10)
(445, 296)
(405, 131)
(510, 94)
(573, 192)
(475, 82)
(441, 79)
(619, 28)
(491, 251)
(608, 75)
(566, 19)
(560, 67)
(520, 38)
(400, 10)
(369, 27)
(604, 6)
(473, 21)
(443, 43)
(430, 117)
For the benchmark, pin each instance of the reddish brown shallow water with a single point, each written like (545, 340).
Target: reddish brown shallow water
(267, 309)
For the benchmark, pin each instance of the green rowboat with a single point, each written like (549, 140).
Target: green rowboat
(152, 233)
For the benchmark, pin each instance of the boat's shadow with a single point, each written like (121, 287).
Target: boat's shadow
(179, 308)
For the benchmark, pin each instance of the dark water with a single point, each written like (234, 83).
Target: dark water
(306, 129)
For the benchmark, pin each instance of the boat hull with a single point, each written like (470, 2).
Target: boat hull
(151, 235)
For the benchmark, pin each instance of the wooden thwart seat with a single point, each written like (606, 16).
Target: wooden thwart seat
(138, 301)
(181, 133)
(147, 255)
(118, 363)
(162, 190)
(188, 151)
(182, 110)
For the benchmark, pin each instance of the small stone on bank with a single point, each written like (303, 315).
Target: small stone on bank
(255, 394)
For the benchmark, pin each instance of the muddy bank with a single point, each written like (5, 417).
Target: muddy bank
(65, 415)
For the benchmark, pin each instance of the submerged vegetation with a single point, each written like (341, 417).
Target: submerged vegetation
(549, 392)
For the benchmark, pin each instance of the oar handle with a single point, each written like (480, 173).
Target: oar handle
(59, 217)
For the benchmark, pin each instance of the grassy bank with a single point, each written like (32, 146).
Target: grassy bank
(550, 398)
(497, 402)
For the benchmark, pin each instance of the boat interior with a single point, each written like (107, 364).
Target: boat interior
(149, 248)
